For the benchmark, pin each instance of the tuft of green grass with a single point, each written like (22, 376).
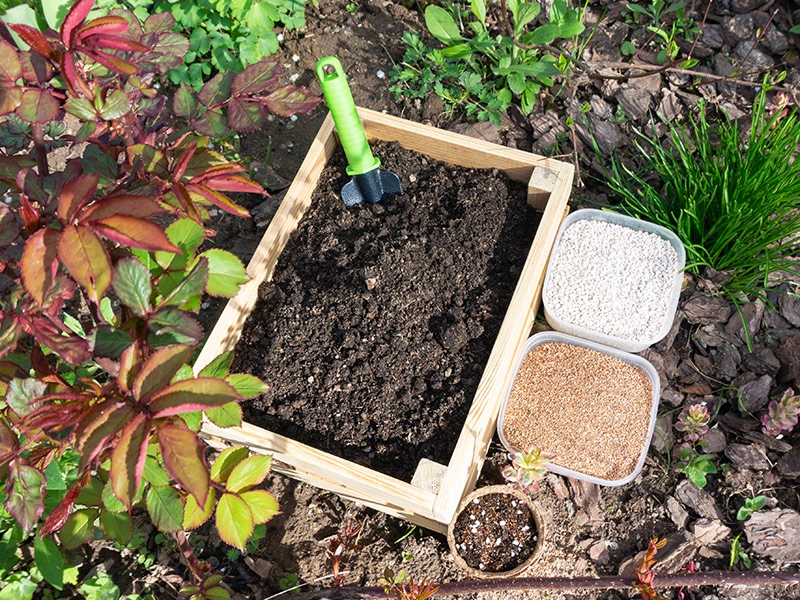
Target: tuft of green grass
(732, 198)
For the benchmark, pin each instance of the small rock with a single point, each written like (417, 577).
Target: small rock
(635, 103)
(677, 513)
(599, 553)
(708, 532)
(723, 67)
(775, 533)
(711, 36)
(738, 28)
(699, 500)
(747, 457)
(789, 463)
(745, 6)
(752, 57)
(707, 309)
(775, 41)
(732, 111)
(715, 441)
(671, 396)
(789, 307)
(755, 394)
(259, 566)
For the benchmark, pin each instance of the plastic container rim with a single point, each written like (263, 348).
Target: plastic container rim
(635, 361)
(623, 344)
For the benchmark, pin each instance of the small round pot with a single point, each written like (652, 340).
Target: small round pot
(523, 502)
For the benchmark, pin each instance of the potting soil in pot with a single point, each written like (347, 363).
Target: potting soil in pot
(379, 320)
(495, 533)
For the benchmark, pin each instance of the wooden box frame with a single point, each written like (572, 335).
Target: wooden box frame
(433, 502)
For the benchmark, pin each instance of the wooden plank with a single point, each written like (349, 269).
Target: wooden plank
(335, 474)
(473, 443)
(343, 477)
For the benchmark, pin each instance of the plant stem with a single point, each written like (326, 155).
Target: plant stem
(39, 150)
(745, 578)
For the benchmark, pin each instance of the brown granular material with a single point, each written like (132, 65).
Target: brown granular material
(589, 409)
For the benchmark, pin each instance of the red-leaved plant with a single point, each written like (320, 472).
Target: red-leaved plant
(100, 273)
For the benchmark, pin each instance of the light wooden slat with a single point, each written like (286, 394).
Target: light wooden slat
(343, 477)
(473, 443)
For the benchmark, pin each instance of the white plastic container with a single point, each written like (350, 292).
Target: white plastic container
(631, 359)
(561, 324)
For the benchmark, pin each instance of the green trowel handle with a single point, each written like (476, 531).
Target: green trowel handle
(345, 117)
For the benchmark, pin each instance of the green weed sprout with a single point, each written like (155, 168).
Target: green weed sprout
(693, 422)
(527, 469)
(781, 414)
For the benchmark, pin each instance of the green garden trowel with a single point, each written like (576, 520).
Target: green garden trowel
(369, 183)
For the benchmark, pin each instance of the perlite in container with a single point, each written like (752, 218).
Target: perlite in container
(613, 279)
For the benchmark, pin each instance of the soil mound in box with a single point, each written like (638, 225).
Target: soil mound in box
(375, 329)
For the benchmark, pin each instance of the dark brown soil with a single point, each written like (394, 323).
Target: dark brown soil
(495, 533)
(375, 329)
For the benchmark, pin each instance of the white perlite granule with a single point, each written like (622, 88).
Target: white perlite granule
(612, 279)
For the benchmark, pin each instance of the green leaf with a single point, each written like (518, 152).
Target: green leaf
(246, 385)
(227, 415)
(441, 25)
(479, 10)
(78, 528)
(154, 473)
(795, 29)
(191, 287)
(543, 35)
(190, 395)
(22, 395)
(195, 515)
(172, 326)
(108, 341)
(109, 500)
(182, 452)
(81, 108)
(193, 419)
(132, 285)
(117, 526)
(251, 471)
(528, 12)
(226, 273)
(226, 462)
(49, 561)
(218, 367)
(185, 103)
(234, 521)
(37, 106)
(262, 504)
(258, 17)
(165, 507)
(117, 104)
(212, 123)
(19, 586)
(186, 235)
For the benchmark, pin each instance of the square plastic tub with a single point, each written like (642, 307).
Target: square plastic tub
(561, 324)
(631, 359)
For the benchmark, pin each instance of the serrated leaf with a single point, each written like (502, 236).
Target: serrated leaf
(75, 193)
(159, 370)
(226, 273)
(127, 459)
(86, 259)
(218, 367)
(227, 415)
(10, 97)
(81, 108)
(251, 471)
(10, 68)
(256, 78)
(185, 103)
(187, 235)
(172, 326)
(39, 262)
(154, 473)
(37, 106)
(212, 123)
(22, 395)
(49, 560)
(192, 394)
(132, 285)
(165, 507)
(191, 287)
(234, 521)
(26, 494)
(109, 342)
(134, 231)
(78, 528)
(117, 526)
(109, 501)
(9, 228)
(245, 115)
(182, 452)
(248, 386)
(91, 494)
(262, 504)
(216, 593)
(117, 104)
(291, 100)
(195, 515)
(217, 89)
(226, 462)
(193, 419)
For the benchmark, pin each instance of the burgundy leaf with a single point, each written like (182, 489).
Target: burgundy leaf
(291, 100)
(109, 419)
(63, 509)
(212, 124)
(8, 443)
(159, 23)
(74, 19)
(245, 115)
(122, 204)
(34, 38)
(10, 333)
(135, 232)
(190, 395)
(37, 106)
(39, 264)
(159, 370)
(185, 102)
(216, 90)
(130, 364)
(183, 456)
(69, 347)
(86, 259)
(128, 458)
(75, 83)
(75, 194)
(10, 67)
(183, 161)
(9, 228)
(256, 78)
(25, 489)
(218, 200)
(236, 183)
(114, 42)
(109, 24)
(10, 97)
(110, 62)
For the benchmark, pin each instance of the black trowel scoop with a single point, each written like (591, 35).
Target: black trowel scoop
(369, 183)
